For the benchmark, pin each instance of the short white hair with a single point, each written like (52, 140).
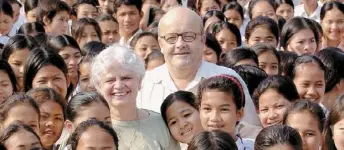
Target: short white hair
(115, 53)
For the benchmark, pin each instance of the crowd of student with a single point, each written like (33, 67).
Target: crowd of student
(172, 74)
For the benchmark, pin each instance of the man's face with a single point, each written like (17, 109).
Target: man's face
(128, 17)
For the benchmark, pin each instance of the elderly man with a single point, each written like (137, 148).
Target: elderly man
(182, 41)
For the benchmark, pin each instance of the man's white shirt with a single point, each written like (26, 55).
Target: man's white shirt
(301, 12)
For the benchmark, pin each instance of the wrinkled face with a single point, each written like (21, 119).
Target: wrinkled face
(93, 111)
(72, 57)
(85, 78)
(87, 11)
(128, 17)
(209, 55)
(286, 11)
(59, 24)
(227, 40)
(6, 23)
(261, 34)
(16, 12)
(106, 5)
(269, 63)
(6, 87)
(208, 5)
(16, 142)
(96, 138)
(110, 32)
(17, 63)
(272, 107)
(169, 4)
(234, 17)
(51, 123)
(183, 121)
(308, 128)
(31, 15)
(310, 82)
(146, 45)
(218, 112)
(333, 24)
(263, 8)
(25, 114)
(303, 42)
(338, 137)
(88, 34)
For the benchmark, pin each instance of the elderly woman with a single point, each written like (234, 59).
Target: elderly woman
(117, 74)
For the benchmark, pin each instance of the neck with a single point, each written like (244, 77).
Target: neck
(183, 76)
(74, 81)
(124, 113)
(333, 43)
(127, 35)
(310, 8)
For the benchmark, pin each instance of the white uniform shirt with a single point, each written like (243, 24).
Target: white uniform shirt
(301, 12)
(245, 144)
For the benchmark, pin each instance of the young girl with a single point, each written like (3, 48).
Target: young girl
(84, 74)
(239, 56)
(285, 8)
(144, 43)
(221, 104)
(6, 21)
(332, 22)
(216, 139)
(262, 30)
(8, 82)
(234, 13)
(278, 137)
(16, 52)
(272, 98)
(268, 58)
(180, 114)
(262, 8)
(86, 9)
(308, 75)
(52, 108)
(14, 108)
(30, 7)
(212, 17)
(334, 136)
(93, 134)
(86, 30)
(205, 5)
(308, 119)
(46, 68)
(227, 34)
(17, 136)
(212, 49)
(54, 16)
(109, 27)
(154, 59)
(299, 35)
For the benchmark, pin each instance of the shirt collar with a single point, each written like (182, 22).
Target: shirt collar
(127, 44)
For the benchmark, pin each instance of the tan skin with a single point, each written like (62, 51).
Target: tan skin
(6, 87)
(17, 63)
(96, 138)
(16, 142)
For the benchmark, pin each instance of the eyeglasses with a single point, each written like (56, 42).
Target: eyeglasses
(173, 37)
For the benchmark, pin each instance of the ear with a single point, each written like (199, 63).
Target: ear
(46, 20)
(240, 114)
(69, 125)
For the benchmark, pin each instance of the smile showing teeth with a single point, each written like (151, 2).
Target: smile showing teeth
(120, 94)
(216, 126)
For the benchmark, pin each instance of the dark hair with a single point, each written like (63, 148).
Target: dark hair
(4, 66)
(49, 9)
(79, 27)
(37, 59)
(333, 59)
(234, 6)
(280, 2)
(106, 17)
(253, 3)
(261, 48)
(136, 3)
(259, 21)
(61, 41)
(295, 25)
(73, 140)
(281, 22)
(6, 8)
(301, 106)
(83, 99)
(42, 95)
(18, 42)
(252, 76)
(231, 58)
(179, 96)
(282, 85)
(336, 114)
(93, 48)
(214, 13)
(15, 128)
(137, 37)
(303, 60)
(223, 83)
(213, 44)
(30, 5)
(329, 6)
(278, 135)
(287, 60)
(31, 28)
(15, 2)
(14, 100)
(219, 26)
(212, 140)
(75, 7)
(200, 3)
(153, 12)
(153, 56)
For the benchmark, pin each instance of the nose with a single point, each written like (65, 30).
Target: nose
(73, 62)
(180, 43)
(50, 84)
(272, 115)
(118, 84)
(215, 117)
(50, 123)
(311, 93)
(21, 70)
(182, 123)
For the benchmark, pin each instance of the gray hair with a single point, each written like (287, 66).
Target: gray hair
(115, 53)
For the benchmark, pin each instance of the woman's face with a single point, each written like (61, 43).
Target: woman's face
(303, 42)
(261, 34)
(89, 34)
(146, 45)
(85, 80)
(308, 127)
(272, 107)
(310, 82)
(17, 63)
(209, 55)
(25, 114)
(51, 123)
(106, 5)
(31, 15)
(51, 77)
(208, 5)
(6, 23)
(110, 33)
(263, 8)
(59, 24)
(227, 40)
(333, 24)
(286, 11)
(183, 121)
(17, 142)
(234, 17)
(338, 136)
(96, 138)
(268, 62)
(87, 11)
(16, 11)
(72, 57)
(6, 87)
